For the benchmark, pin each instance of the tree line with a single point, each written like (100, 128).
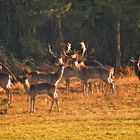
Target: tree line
(111, 27)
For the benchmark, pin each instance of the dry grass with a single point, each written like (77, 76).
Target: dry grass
(94, 117)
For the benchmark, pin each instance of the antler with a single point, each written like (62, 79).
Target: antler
(83, 46)
(68, 49)
(9, 71)
(132, 59)
(50, 50)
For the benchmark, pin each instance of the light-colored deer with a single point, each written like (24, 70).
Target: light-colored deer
(88, 74)
(92, 62)
(34, 90)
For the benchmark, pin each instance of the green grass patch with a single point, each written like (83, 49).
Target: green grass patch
(72, 130)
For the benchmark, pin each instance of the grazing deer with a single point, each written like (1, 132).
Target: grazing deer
(34, 90)
(88, 74)
(136, 66)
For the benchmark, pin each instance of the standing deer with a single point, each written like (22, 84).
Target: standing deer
(91, 61)
(5, 83)
(88, 74)
(52, 78)
(38, 83)
(6, 80)
(136, 66)
(34, 90)
(69, 72)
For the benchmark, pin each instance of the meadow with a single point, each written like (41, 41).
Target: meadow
(95, 117)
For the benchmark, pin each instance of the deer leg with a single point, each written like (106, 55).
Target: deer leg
(113, 87)
(9, 99)
(9, 96)
(91, 87)
(52, 101)
(96, 85)
(67, 86)
(31, 100)
(33, 104)
(57, 103)
(86, 88)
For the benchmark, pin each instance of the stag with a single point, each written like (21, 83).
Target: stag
(51, 77)
(88, 74)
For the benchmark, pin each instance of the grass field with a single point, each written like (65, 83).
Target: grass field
(96, 117)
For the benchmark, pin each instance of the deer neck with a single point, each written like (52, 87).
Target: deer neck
(59, 74)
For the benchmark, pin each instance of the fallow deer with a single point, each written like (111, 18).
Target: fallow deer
(5, 83)
(52, 78)
(6, 80)
(88, 74)
(34, 90)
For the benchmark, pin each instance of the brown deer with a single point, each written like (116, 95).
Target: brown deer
(34, 90)
(5, 83)
(91, 61)
(69, 72)
(52, 77)
(88, 74)
(6, 80)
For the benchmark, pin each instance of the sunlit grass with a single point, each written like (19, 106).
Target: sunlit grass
(76, 130)
(95, 117)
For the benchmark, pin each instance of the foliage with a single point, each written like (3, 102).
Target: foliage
(27, 26)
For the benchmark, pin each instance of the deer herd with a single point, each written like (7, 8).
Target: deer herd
(70, 63)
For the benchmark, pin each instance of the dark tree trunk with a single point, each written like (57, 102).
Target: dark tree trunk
(58, 33)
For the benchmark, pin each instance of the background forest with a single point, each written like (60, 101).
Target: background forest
(111, 27)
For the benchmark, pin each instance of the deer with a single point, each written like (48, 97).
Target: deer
(6, 80)
(69, 72)
(136, 66)
(34, 90)
(91, 61)
(88, 74)
(51, 77)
